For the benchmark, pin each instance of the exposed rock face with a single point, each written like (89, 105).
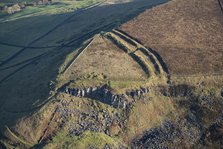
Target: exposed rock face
(97, 120)
(105, 95)
(156, 136)
(181, 90)
(169, 132)
(186, 130)
(189, 130)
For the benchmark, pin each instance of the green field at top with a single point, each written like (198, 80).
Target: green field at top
(61, 7)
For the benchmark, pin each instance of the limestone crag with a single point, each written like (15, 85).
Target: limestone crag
(91, 119)
(105, 95)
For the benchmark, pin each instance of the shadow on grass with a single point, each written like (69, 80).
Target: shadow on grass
(25, 89)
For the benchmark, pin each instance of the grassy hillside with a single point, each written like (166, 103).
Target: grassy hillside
(33, 52)
(188, 37)
(45, 38)
(79, 80)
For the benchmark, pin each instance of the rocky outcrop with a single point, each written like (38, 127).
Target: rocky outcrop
(155, 137)
(105, 95)
(185, 132)
(180, 90)
(188, 129)
(91, 119)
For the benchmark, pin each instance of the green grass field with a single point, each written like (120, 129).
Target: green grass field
(60, 7)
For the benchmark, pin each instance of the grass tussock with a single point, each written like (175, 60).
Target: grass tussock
(86, 140)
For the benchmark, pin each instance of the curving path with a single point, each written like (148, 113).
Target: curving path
(151, 63)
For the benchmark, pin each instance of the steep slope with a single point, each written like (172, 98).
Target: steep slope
(30, 64)
(124, 88)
